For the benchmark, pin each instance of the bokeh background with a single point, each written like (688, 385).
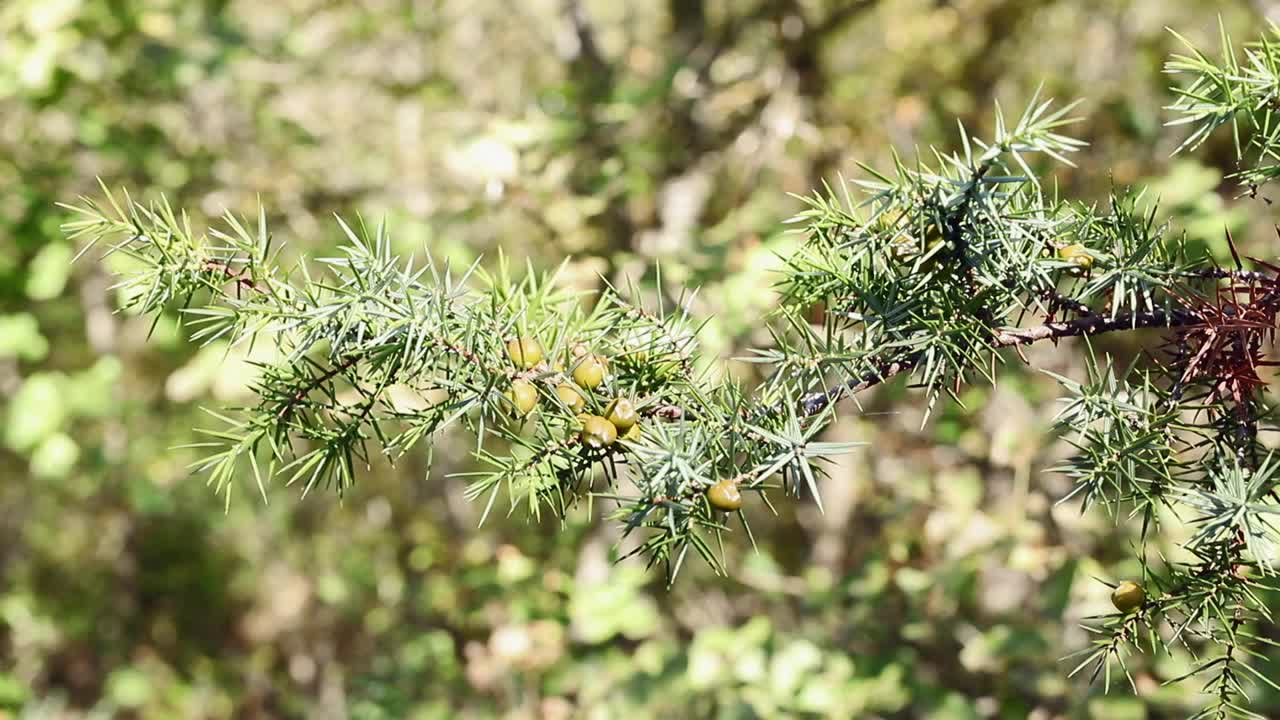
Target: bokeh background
(942, 582)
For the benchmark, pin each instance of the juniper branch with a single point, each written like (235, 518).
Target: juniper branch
(941, 264)
(1091, 325)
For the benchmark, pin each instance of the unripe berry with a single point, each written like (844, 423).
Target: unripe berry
(888, 220)
(570, 396)
(590, 371)
(597, 432)
(725, 496)
(1128, 596)
(905, 247)
(523, 396)
(622, 413)
(1077, 255)
(525, 352)
(933, 237)
(633, 435)
(902, 247)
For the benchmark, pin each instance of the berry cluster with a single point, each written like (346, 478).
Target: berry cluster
(574, 386)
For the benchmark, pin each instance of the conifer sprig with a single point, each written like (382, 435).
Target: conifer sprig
(939, 269)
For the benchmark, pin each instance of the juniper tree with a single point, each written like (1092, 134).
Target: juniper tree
(932, 269)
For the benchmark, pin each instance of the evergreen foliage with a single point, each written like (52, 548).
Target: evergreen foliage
(934, 270)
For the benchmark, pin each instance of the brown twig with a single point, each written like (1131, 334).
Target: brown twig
(287, 409)
(243, 278)
(1008, 337)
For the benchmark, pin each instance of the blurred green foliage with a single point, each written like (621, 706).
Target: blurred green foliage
(941, 583)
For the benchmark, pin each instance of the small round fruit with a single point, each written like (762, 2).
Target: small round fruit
(905, 246)
(597, 432)
(590, 370)
(570, 396)
(1128, 596)
(933, 237)
(622, 413)
(902, 247)
(523, 396)
(889, 219)
(725, 496)
(633, 435)
(525, 352)
(1077, 255)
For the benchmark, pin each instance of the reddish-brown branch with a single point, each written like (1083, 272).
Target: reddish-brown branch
(1060, 301)
(242, 278)
(315, 383)
(1009, 337)
(1093, 325)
